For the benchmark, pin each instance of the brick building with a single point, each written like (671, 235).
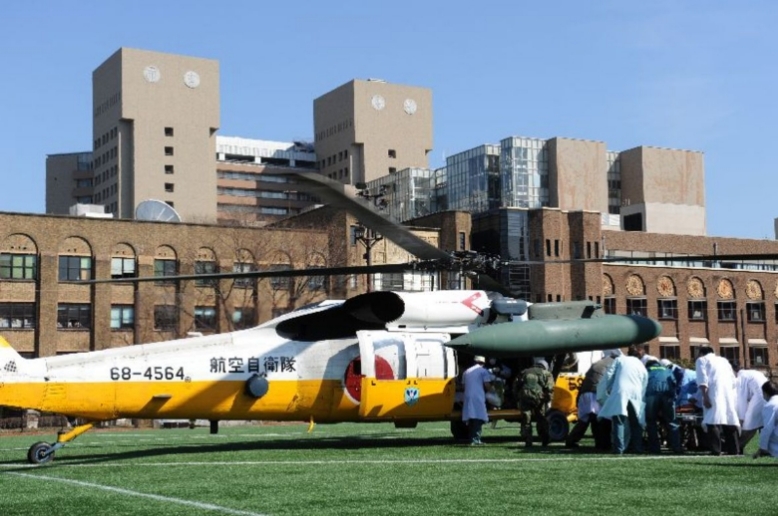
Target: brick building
(45, 307)
(731, 305)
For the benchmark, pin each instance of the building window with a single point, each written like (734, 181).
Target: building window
(205, 318)
(166, 317)
(392, 170)
(243, 282)
(122, 268)
(757, 356)
(698, 310)
(168, 169)
(462, 241)
(576, 250)
(392, 153)
(731, 353)
(726, 310)
(169, 187)
(74, 316)
(315, 282)
(170, 203)
(122, 317)
(18, 266)
(556, 247)
(755, 312)
(168, 151)
(548, 247)
(667, 309)
(280, 283)
(168, 131)
(588, 250)
(204, 267)
(243, 318)
(670, 352)
(164, 268)
(17, 315)
(75, 268)
(636, 306)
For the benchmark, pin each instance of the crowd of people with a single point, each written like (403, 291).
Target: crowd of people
(627, 400)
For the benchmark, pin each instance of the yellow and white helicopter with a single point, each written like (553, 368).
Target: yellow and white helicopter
(380, 356)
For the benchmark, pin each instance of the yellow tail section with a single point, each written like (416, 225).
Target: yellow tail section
(10, 360)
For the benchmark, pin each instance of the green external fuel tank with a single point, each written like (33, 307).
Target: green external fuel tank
(553, 336)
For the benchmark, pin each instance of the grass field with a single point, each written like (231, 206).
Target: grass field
(366, 469)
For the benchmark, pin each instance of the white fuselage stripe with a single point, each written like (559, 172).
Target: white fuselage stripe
(127, 492)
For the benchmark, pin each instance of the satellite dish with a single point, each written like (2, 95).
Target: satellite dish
(155, 210)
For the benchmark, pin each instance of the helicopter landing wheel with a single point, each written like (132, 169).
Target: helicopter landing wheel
(40, 453)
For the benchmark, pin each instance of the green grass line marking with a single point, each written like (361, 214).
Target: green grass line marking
(127, 492)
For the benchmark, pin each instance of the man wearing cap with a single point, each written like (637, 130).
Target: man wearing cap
(534, 388)
(477, 383)
(588, 406)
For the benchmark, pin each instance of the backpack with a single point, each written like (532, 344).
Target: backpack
(533, 385)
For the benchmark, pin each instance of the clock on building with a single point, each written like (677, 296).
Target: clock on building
(378, 102)
(151, 73)
(192, 79)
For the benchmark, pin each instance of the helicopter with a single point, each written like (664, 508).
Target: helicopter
(379, 356)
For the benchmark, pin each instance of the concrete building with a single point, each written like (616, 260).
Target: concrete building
(641, 189)
(155, 117)
(366, 129)
(247, 190)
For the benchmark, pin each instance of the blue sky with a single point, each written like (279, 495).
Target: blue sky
(697, 75)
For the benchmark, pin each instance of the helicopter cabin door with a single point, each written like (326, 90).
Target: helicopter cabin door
(406, 376)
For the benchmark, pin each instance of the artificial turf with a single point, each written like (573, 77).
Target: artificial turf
(375, 469)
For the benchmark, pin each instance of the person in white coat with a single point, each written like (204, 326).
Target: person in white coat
(620, 393)
(768, 437)
(477, 382)
(750, 403)
(717, 383)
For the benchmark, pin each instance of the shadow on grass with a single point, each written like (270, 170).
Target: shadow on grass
(374, 441)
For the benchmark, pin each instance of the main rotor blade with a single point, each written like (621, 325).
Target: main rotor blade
(282, 273)
(346, 198)
(652, 259)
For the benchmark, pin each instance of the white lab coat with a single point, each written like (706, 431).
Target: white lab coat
(716, 373)
(623, 384)
(768, 438)
(474, 405)
(750, 400)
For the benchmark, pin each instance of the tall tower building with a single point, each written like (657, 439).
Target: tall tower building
(154, 132)
(366, 129)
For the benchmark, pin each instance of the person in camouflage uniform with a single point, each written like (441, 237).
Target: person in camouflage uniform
(534, 388)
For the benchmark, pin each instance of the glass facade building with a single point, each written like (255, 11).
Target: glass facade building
(408, 193)
(473, 179)
(524, 173)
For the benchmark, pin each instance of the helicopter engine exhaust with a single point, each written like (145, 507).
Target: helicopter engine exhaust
(375, 307)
